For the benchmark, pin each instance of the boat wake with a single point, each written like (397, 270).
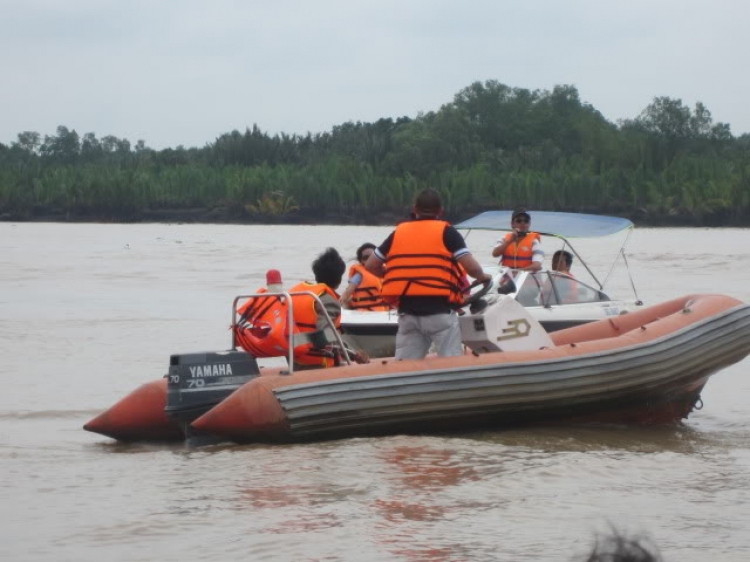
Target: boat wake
(45, 414)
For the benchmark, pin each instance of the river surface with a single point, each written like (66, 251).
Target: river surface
(89, 312)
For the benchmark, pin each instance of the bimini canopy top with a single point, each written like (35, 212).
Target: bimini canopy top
(564, 225)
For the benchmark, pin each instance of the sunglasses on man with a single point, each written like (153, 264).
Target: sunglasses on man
(521, 220)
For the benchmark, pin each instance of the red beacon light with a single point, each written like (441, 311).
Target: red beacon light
(273, 281)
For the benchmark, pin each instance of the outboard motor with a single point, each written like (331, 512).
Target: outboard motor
(504, 325)
(196, 382)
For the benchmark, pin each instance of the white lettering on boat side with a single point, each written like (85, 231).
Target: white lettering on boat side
(216, 370)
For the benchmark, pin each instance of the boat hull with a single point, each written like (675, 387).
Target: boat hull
(139, 416)
(644, 367)
(163, 410)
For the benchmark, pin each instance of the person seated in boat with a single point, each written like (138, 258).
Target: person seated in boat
(262, 331)
(562, 260)
(419, 263)
(520, 248)
(363, 289)
(567, 286)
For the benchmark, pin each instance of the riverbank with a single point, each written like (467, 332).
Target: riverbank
(233, 215)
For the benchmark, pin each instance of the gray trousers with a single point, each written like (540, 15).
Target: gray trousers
(416, 333)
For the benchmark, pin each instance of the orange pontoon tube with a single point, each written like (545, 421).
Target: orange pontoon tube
(644, 367)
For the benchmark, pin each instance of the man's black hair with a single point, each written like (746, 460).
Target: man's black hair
(329, 268)
(567, 256)
(362, 248)
(428, 203)
(620, 548)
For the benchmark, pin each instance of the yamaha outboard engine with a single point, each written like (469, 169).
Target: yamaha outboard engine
(199, 381)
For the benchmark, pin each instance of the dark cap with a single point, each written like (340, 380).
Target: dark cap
(520, 211)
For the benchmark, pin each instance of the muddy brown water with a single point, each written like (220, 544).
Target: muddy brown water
(89, 312)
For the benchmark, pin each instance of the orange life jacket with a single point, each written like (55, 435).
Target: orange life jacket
(263, 328)
(518, 254)
(419, 264)
(366, 295)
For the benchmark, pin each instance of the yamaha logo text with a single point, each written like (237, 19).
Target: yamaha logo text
(218, 370)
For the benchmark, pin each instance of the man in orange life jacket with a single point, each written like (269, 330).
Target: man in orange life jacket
(328, 269)
(419, 265)
(520, 249)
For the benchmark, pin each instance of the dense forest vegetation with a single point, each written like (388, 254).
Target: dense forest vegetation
(493, 146)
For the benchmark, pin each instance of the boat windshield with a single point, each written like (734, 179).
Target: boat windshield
(546, 288)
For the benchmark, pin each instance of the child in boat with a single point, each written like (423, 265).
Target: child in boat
(363, 289)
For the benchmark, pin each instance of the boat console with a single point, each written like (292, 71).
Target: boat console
(502, 325)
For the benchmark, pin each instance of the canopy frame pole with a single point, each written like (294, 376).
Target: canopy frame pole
(621, 252)
(638, 301)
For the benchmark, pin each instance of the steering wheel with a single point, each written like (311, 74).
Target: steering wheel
(474, 297)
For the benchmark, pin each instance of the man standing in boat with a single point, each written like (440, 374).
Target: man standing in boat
(422, 263)
(520, 249)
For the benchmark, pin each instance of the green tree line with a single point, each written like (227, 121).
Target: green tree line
(492, 146)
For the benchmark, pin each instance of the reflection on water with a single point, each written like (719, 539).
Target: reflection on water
(90, 312)
(421, 475)
(428, 469)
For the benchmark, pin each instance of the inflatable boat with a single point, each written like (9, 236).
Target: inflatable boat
(645, 367)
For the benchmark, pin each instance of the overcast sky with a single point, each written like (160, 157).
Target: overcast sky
(177, 72)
